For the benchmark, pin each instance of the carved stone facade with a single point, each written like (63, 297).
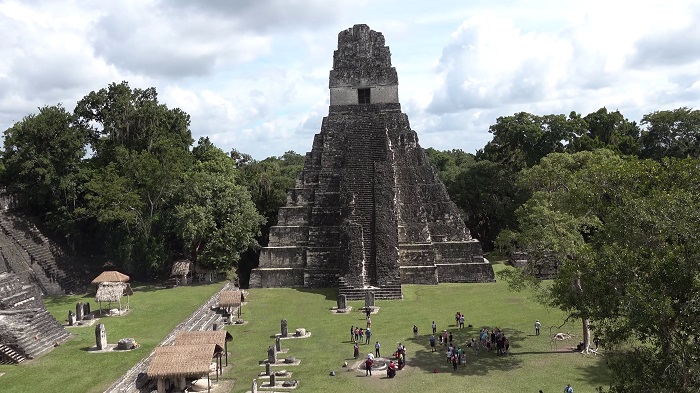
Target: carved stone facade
(368, 211)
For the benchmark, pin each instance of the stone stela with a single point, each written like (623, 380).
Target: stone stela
(79, 311)
(367, 212)
(369, 300)
(100, 337)
(283, 328)
(342, 302)
(271, 355)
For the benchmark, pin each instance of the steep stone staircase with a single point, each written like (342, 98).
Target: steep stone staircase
(40, 259)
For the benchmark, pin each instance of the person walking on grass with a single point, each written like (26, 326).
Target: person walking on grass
(368, 367)
(537, 327)
(376, 349)
(434, 327)
(368, 334)
(568, 388)
(432, 343)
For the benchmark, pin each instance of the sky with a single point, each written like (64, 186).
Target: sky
(253, 74)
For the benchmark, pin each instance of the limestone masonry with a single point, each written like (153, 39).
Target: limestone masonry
(368, 212)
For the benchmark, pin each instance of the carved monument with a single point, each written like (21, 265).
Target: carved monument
(368, 211)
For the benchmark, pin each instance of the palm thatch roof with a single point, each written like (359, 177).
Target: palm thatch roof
(181, 267)
(112, 291)
(181, 361)
(217, 337)
(230, 298)
(110, 276)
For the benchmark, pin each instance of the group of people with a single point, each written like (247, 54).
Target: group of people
(360, 335)
(495, 340)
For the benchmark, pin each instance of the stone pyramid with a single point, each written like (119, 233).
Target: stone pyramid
(368, 212)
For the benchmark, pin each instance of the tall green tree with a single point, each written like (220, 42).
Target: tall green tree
(607, 130)
(626, 235)
(671, 133)
(42, 156)
(215, 216)
(521, 140)
(141, 149)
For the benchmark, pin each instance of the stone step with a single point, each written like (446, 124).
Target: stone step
(11, 354)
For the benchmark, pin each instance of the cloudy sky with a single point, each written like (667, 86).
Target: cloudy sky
(253, 74)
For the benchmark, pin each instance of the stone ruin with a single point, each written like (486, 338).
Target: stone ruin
(27, 329)
(368, 211)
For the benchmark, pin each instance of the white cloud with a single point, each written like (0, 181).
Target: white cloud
(253, 74)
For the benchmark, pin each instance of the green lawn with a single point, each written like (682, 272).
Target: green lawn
(70, 368)
(532, 365)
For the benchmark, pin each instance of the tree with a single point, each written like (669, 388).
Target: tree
(42, 156)
(141, 149)
(625, 231)
(674, 133)
(521, 140)
(215, 217)
(607, 130)
(488, 195)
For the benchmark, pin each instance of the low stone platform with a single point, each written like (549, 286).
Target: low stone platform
(281, 363)
(286, 375)
(279, 385)
(291, 336)
(336, 310)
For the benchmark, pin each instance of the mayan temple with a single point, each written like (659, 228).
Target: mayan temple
(368, 212)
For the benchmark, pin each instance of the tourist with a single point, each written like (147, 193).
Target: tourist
(457, 318)
(506, 344)
(368, 334)
(355, 351)
(459, 355)
(448, 355)
(357, 333)
(537, 327)
(391, 371)
(461, 321)
(451, 338)
(444, 337)
(432, 343)
(369, 322)
(362, 335)
(454, 362)
(352, 334)
(368, 311)
(415, 331)
(568, 388)
(368, 367)
(434, 327)
(376, 349)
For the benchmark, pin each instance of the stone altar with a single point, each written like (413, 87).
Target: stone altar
(368, 211)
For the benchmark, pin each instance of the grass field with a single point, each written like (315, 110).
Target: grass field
(532, 365)
(70, 368)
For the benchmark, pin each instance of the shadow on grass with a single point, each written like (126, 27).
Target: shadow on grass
(598, 372)
(482, 364)
(329, 293)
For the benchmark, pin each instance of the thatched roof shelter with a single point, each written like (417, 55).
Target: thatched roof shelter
(181, 267)
(230, 298)
(110, 276)
(179, 362)
(113, 292)
(211, 337)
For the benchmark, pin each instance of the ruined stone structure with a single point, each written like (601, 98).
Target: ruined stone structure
(26, 329)
(368, 211)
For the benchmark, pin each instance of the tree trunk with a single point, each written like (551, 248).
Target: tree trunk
(585, 321)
